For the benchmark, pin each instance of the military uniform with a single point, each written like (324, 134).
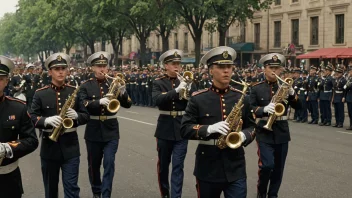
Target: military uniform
(17, 138)
(302, 95)
(325, 96)
(32, 84)
(102, 130)
(65, 153)
(348, 96)
(272, 145)
(297, 85)
(337, 100)
(312, 98)
(170, 144)
(217, 170)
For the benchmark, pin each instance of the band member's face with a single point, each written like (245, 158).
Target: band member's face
(312, 72)
(173, 67)
(221, 73)
(100, 70)
(30, 70)
(296, 75)
(3, 83)
(58, 73)
(338, 75)
(350, 73)
(327, 72)
(269, 70)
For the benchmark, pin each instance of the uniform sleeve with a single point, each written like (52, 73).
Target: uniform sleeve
(28, 140)
(161, 98)
(248, 125)
(83, 114)
(89, 104)
(257, 110)
(294, 102)
(35, 112)
(193, 88)
(125, 100)
(190, 129)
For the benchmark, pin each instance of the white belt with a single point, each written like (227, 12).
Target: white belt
(102, 118)
(8, 168)
(144, 83)
(172, 113)
(277, 118)
(211, 142)
(66, 131)
(328, 91)
(339, 92)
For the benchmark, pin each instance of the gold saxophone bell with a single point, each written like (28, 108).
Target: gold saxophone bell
(67, 123)
(113, 106)
(233, 140)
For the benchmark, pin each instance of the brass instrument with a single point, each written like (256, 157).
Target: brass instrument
(67, 123)
(280, 96)
(187, 78)
(233, 139)
(114, 91)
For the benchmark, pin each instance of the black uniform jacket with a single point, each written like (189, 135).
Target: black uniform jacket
(261, 95)
(166, 98)
(208, 107)
(16, 128)
(48, 101)
(100, 130)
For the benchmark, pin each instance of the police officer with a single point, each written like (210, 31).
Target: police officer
(297, 85)
(325, 95)
(339, 98)
(302, 95)
(142, 88)
(32, 83)
(312, 99)
(102, 131)
(218, 170)
(170, 145)
(272, 145)
(45, 112)
(17, 136)
(134, 87)
(348, 95)
(205, 82)
(149, 88)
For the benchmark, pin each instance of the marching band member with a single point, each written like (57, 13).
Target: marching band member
(32, 83)
(272, 145)
(170, 145)
(218, 170)
(102, 130)
(325, 96)
(45, 112)
(338, 98)
(17, 136)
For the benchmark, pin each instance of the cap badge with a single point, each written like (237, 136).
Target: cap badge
(176, 54)
(275, 58)
(59, 58)
(101, 56)
(225, 54)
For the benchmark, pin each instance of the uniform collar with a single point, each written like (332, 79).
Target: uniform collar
(56, 88)
(219, 91)
(171, 78)
(99, 81)
(270, 83)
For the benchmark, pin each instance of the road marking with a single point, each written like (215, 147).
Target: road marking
(132, 112)
(147, 123)
(344, 132)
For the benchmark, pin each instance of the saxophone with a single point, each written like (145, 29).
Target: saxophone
(280, 96)
(233, 139)
(67, 123)
(114, 92)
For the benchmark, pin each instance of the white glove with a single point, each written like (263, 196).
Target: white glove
(243, 136)
(345, 87)
(122, 90)
(270, 108)
(182, 85)
(104, 101)
(71, 113)
(291, 91)
(189, 86)
(54, 121)
(5, 150)
(220, 127)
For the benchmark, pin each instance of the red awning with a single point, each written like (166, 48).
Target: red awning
(328, 53)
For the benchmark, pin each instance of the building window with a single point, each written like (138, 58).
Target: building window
(175, 41)
(277, 34)
(185, 44)
(340, 28)
(314, 30)
(295, 31)
(257, 35)
(277, 2)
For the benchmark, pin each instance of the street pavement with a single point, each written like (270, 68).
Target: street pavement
(318, 164)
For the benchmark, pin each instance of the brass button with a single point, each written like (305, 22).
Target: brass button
(58, 93)
(224, 110)
(174, 85)
(58, 98)
(206, 114)
(202, 153)
(59, 109)
(59, 103)
(173, 102)
(223, 100)
(225, 116)
(101, 87)
(173, 106)
(223, 105)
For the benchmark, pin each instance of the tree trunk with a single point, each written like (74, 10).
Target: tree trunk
(103, 48)
(68, 49)
(91, 47)
(197, 47)
(120, 50)
(165, 42)
(115, 47)
(85, 54)
(143, 51)
(222, 36)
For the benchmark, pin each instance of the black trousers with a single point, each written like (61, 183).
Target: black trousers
(313, 108)
(339, 113)
(349, 106)
(325, 111)
(11, 185)
(235, 189)
(272, 158)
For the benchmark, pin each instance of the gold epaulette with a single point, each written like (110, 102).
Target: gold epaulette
(70, 86)
(87, 81)
(200, 91)
(257, 83)
(42, 88)
(15, 99)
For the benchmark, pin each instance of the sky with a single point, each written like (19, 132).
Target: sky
(7, 6)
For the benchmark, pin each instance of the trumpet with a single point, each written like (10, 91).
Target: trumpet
(114, 92)
(280, 96)
(187, 78)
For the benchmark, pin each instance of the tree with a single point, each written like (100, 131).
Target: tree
(195, 13)
(8, 29)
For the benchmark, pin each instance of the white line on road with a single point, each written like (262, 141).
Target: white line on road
(137, 121)
(344, 132)
(132, 112)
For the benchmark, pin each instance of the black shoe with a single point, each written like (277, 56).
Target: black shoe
(96, 196)
(261, 196)
(298, 120)
(335, 125)
(311, 122)
(315, 122)
(303, 121)
(322, 124)
(349, 128)
(339, 126)
(328, 124)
